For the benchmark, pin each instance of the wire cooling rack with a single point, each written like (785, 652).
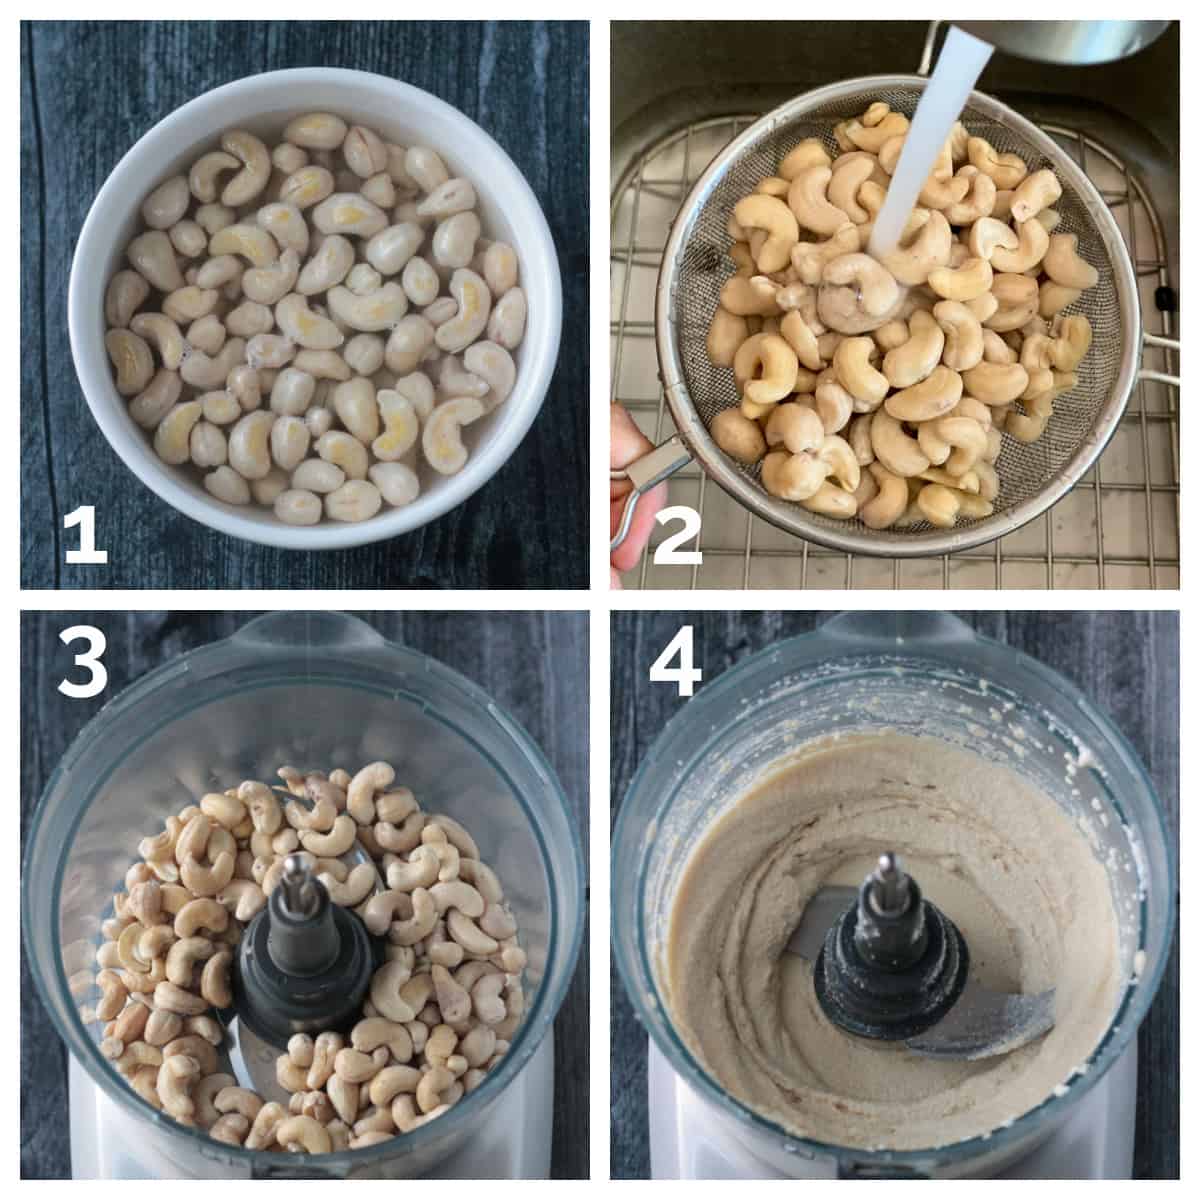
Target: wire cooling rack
(1117, 528)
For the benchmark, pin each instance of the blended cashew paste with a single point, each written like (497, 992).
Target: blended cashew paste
(997, 855)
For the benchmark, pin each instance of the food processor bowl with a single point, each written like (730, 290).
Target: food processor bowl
(312, 690)
(922, 674)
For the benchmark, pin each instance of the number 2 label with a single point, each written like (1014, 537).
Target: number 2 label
(668, 553)
(686, 675)
(89, 660)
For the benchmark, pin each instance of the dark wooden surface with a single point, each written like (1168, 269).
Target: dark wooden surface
(88, 92)
(529, 662)
(1127, 663)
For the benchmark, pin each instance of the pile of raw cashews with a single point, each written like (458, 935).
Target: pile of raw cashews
(883, 389)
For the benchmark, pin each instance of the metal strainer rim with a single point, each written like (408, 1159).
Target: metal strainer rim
(891, 543)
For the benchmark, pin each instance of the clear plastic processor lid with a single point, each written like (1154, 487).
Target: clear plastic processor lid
(313, 690)
(921, 674)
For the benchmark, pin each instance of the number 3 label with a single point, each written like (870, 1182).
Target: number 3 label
(685, 675)
(668, 553)
(89, 659)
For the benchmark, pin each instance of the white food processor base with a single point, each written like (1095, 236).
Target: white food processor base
(1095, 1142)
(513, 1142)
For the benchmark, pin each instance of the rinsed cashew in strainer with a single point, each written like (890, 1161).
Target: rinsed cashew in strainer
(266, 267)
(945, 349)
(443, 1005)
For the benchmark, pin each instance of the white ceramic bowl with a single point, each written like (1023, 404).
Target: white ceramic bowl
(264, 104)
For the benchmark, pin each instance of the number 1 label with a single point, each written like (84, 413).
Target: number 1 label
(85, 518)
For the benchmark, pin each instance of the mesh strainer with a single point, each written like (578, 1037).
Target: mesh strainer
(696, 263)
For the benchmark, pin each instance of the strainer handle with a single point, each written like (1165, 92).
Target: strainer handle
(1162, 343)
(645, 473)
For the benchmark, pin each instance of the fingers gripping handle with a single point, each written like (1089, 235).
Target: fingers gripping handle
(645, 473)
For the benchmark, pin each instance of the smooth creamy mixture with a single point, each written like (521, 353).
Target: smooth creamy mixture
(998, 856)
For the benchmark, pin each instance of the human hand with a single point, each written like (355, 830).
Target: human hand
(627, 443)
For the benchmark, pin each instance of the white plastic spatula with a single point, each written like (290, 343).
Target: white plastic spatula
(981, 1023)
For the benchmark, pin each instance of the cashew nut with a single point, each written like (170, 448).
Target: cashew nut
(441, 439)
(1064, 266)
(304, 1132)
(857, 294)
(1036, 192)
(176, 1077)
(915, 358)
(942, 506)
(856, 374)
(349, 213)
(894, 448)
(995, 383)
(1033, 242)
(933, 397)
(807, 199)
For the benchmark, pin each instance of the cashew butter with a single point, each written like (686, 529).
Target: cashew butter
(996, 854)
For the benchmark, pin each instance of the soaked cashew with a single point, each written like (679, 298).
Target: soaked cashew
(350, 214)
(453, 243)
(355, 500)
(250, 242)
(125, 295)
(176, 1077)
(739, 436)
(189, 303)
(344, 451)
(420, 281)
(441, 438)
(256, 167)
(208, 372)
(249, 444)
(942, 506)
(1036, 192)
(856, 374)
(915, 358)
(378, 310)
(969, 280)
(172, 438)
(1064, 266)
(857, 294)
(431, 1032)
(398, 483)
(474, 306)
(207, 445)
(267, 285)
(273, 283)
(807, 199)
(167, 203)
(305, 1133)
(316, 131)
(131, 357)
(153, 257)
(506, 325)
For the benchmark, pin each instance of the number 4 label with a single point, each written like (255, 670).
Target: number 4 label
(685, 675)
(85, 518)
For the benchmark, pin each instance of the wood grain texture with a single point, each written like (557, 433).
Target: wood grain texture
(1127, 663)
(530, 663)
(88, 92)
